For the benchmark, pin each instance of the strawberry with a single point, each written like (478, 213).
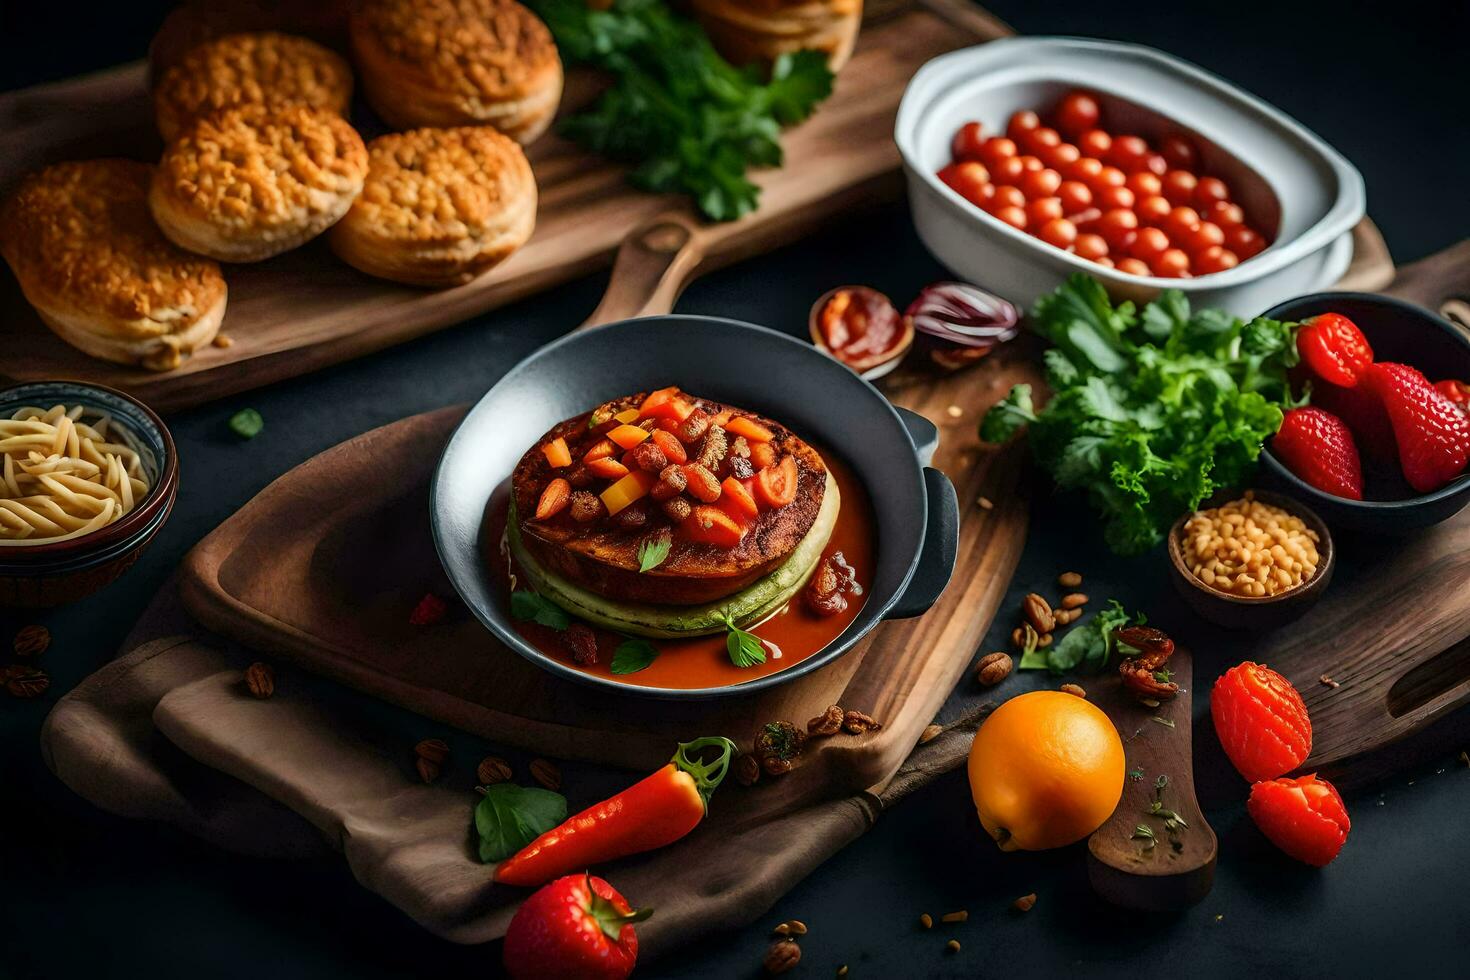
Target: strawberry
(1432, 434)
(1317, 446)
(1304, 817)
(1334, 349)
(1456, 391)
(577, 926)
(1360, 408)
(1261, 720)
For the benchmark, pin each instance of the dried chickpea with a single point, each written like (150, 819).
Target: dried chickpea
(1250, 548)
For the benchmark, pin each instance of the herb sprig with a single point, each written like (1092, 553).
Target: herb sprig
(745, 649)
(1088, 648)
(526, 605)
(653, 550)
(508, 817)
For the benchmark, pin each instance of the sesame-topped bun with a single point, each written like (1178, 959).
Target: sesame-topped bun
(254, 181)
(265, 67)
(91, 261)
(440, 206)
(457, 63)
(763, 30)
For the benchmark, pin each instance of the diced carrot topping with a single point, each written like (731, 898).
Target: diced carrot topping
(672, 448)
(557, 453)
(630, 488)
(554, 499)
(762, 454)
(722, 419)
(702, 484)
(737, 501)
(601, 449)
(775, 486)
(607, 468)
(666, 403)
(752, 430)
(628, 436)
(626, 415)
(710, 525)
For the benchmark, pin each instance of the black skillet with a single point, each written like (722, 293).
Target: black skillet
(917, 514)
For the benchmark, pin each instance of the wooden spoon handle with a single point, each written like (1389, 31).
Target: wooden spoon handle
(654, 264)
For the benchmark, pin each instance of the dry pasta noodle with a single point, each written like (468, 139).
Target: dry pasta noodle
(63, 477)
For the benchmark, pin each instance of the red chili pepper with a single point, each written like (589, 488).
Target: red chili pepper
(649, 814)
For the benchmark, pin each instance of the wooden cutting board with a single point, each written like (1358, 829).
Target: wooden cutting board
(305, 310)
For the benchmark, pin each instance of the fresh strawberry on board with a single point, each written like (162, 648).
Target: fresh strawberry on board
(1433, 435)
(1334, 349)
(577, 926)
(1305, 817)
(1261, 720)
(1318, 447)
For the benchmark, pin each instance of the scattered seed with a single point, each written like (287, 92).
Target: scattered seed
(986, 503)
(959, 916)
(1069, 580)
(1025, 903)
(927, 921)
(955, 411)
(953, 945)
(842, 970)
(1166, 722)
(797, 927)
(1148, 702)
(1074, 600)
(929, 734)
(32, 641)
(1328, 681)
(1045, 640)
(784, 929)
(1465, 758)
(545, 772)
(222, 341)
(1076, 689)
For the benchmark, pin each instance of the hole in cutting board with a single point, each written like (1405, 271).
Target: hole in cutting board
(1430, 679)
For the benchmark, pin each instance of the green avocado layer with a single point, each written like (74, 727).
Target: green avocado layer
(752, 604)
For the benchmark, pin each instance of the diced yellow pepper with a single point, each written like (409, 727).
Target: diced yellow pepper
(628, 436)
(627, 415)
(628, 489)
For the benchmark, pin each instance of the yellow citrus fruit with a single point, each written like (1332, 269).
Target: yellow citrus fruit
(1046, 769)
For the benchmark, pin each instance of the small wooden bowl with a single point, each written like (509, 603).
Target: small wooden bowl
(1252, 613)
(878, 367)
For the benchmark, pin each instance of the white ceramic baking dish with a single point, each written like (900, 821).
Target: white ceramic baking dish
(1292, 185)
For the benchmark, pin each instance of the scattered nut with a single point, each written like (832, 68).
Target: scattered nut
(856, 723)
(797, 927)
(1465, 758)
(1069, 580)
(784, 929)
(926, 920)
(959, 916)
(430, 755)
(777, 745)
(1073, 689)
(747, 770)
(1074, 600)
(222, 341)
(545, 772)
(955, 411)
(986, 503)
(27, 682)
(1038, 613)
(492, 770)
(842, 970)
(953, 945)
(1064, 617)
(1328, 681)
(782, 956)
(32, 641)
(260, 681)
(1024, 903)
(828, 722)
(580, 642)
(993, 668)
(1044, 640)
(930, 733)
(1018, 638)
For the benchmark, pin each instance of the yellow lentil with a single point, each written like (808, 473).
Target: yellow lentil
(1250, 548)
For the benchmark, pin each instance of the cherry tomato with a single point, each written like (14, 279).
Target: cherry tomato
(1104, 261)
(775, 486)
(1061, 156)
(1244, 242)
(1085, 170)
(1224, 214)
(1134, 267)
(1022, 123)
(1144, 184)
(1179, 186)
(1153, 210)
(1181, 223)
(1032, 163)
(1115, 197)
(1179, 152)
(1207, 236)
(1058, 232)
(1092, 247)
(996, 149)
(1215, 259)
(1086, 219)
(967, 142)
(1007, 170)
(1042, 139)
(1012, 215)
(1095, 143)
(1172, 264)
(1149, 245)
(1128, 152)
(1117, 225)
(1334, 349)
(1109, 177)
(1209, 190)
(1043, 209)
(1155, 164)
(1008, 196)
(1041, 183)
(1077, 113)
(1076, 196)
(966, 178)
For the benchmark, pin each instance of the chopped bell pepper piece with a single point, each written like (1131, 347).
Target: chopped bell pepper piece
(628, 489)
(557, 453)
(628, 436)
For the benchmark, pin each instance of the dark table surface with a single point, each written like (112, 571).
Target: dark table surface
(83, 893)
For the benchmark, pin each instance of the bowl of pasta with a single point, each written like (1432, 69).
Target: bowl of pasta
(88, 475)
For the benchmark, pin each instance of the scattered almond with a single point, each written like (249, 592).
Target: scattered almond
(1044, 640)
(955, 411)
(545, 772)
(32, 641)
(986, 503)
(959, 916)
(747, 770)
(1073, 689)
(953, 945)
(1328, 681)
(260, 681)
(927, 921)
(492, 770)
(1074, 600)
(1025, 903)
(783, 929)
(798, 928)
(993, 668)
(1069, 580)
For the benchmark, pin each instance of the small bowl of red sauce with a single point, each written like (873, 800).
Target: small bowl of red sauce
(860, 327)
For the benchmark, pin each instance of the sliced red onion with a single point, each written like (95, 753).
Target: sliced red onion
(964, 315)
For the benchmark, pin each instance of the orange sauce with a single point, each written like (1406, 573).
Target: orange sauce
(790, 636)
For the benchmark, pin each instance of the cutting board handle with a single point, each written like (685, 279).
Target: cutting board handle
(654, 263)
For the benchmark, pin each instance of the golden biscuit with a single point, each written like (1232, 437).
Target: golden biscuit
(91, 261)
(254, 181)
(457, 63)
(440, 206)
(193, 22)
(242, 69)
(763, 30)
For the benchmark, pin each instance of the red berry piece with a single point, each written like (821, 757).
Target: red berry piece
(577, 926)
(1433, 435)
(1334, 348)
(1261, 720)
(1457, 392)
(1360, 408)
(1318, 447)
(1305, 817)
(430, 610)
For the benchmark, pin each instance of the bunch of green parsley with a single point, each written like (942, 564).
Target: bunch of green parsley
(689, 120)
(1152, 411)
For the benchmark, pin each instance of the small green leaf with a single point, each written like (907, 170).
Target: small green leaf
(509, 817)
(632, 655)
(246, 423)
(745, 649)
(526, 605)
(1007, 416)
(653, 550)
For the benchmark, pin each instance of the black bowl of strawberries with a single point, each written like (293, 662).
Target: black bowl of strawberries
(1384, 442)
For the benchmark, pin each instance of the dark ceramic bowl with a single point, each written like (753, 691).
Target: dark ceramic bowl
(1408, 334)
(1250, 612)
(750, 366)
(52, 574)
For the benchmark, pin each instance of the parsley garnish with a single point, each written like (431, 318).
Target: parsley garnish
(746, 649)
(632, 655)
(246, 423)
(527, 605)
(509, 817)
(1088, 647)
(653, 550)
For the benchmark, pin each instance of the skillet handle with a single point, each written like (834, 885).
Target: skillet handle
(941, 544)
(655, 262)
(924, 433)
